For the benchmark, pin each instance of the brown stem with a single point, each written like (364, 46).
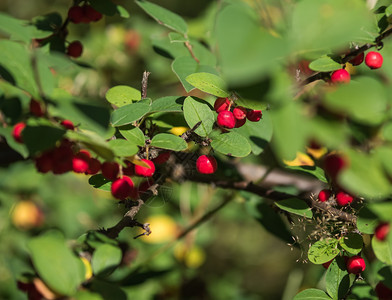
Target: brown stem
(189, 47)
(145, 84)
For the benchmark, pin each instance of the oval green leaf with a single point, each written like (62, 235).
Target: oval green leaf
(324, 64)
(312, 294)
(121, 95)
(130, 113)
(352, 243)
(123, 148)
(169, 142)
(105, 259)
(197, 110)
(383, 249)
(164, 17)
(232, 144)
(100, 182)
(337, 279)
(167, 104)
(323, 251)
(209, 83)
(133, 134)
(295, 206)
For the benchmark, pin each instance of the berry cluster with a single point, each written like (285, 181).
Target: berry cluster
(342, 198)
(373, 60)
(231, 116)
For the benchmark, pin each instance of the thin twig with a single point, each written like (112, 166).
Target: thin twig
(145, 84)
(189, 47)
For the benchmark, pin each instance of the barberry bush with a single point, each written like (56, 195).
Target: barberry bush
(128, 126)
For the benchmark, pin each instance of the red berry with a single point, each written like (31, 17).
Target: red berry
(142, 188)
(326, 265)
(340, 76)
(110, 170)
(17, 132)
(226, 119)
(94, 166)
(355, 264)
(382, 231)
(221, 104)
(374, 60)
(44, 162)
(324, 195)
(36, 108)
(67, 124)
(162, 158)
(85, 152)
(343, 198)
(145, 171)
(76, 14)
(357, 60)
(130, 169)
(75, 49)
(62, 159)
(80, 162)
(333, 164)
(91, 14)
(254, 115)
(121, 188)
(206, 164)
(239, 123)
(239, 113)
(383, 292)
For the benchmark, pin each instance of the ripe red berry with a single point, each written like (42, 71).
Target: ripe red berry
(145, 171)
(36, 108)
(340, 76)
(355, 264)
(62, 159)
(94, 166)
(326, 265)
(130, 169)
(76, 14)
(239, 123)
(75, 49)
(80, 162)
(239, 113)
(343, 198)
(110, 170)
(206, 164)
(67, 124)
(324, 195)
(91, 14)
(382, 231)
(374, 60)
(17, 132)
(162, 158)
(121, 188)
(221, 104)
(383, 292)
(254, 115)
(44, 162)
(333, 164)
(226, 119)
(357, 60)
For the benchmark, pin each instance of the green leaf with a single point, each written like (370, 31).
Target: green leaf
(105, 259)
(337, 279)
(323, 251)
(167, 104)
(353, 100)
(93, 141)
(289, 134)
(55, 263)
(87, 295)
(177, 38)
(185, 66)
(107, 7)
(17, 29)
(130, 113)
(196, 110)
(47, 24)
(169, 141)
(258, 134)
(121, 95)
(232, 144)
(362, 290)
(38, 138)
(164, 17)
(364, 176)
(18, 147)
(311, 294)
(315, 171)
(383, 249)
(325, 64)
(209, 83)
(123, 148)
(133, 134)
(100, 182)
(367, 220)
(295, 206)
(16, 67)
(352, 243)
